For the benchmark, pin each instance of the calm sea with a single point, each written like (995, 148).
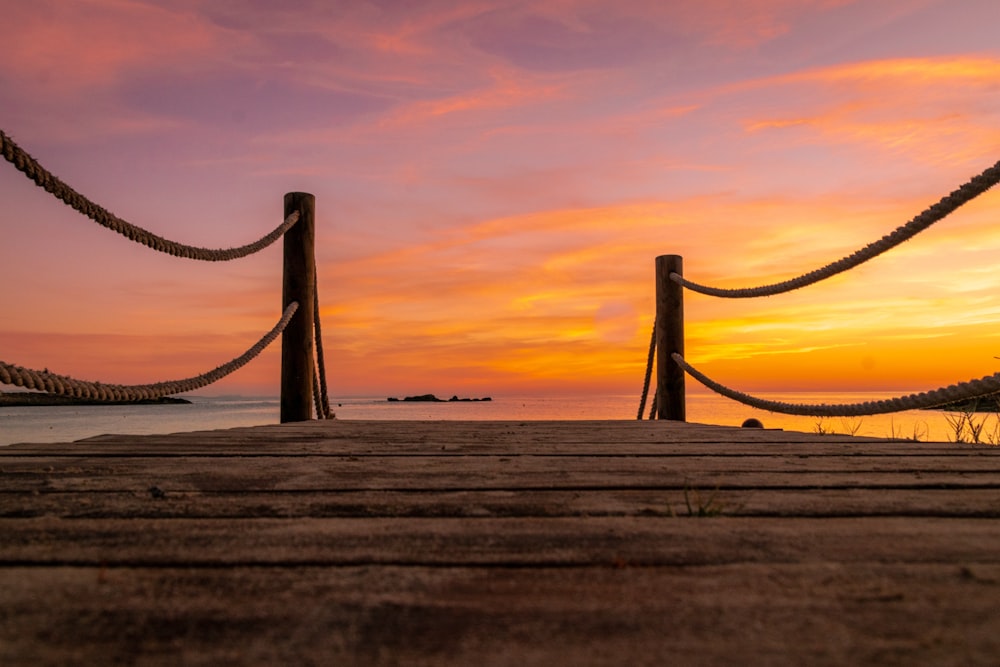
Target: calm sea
(64, 424)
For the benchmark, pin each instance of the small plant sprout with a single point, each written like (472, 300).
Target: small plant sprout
(851, 426)
(821, 427)
(697, 506)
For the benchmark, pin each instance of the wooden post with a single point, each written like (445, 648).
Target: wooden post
(299, 282)
(669, 339)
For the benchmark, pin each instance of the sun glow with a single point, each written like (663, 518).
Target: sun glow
(494, 182)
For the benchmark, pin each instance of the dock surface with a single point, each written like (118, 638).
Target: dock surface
(499, 543)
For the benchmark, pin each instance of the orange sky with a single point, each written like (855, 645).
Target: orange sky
(493, 182)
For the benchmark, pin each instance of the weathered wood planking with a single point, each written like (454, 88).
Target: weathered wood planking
(499, 543)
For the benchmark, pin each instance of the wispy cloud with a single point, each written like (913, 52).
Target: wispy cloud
(494, 180)
(63, 49)
(929, 109)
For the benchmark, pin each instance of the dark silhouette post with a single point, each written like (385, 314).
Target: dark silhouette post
(298, 284)
(669, 339)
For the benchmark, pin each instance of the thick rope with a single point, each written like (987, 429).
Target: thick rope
(323, 405)
(975, 187)
(44, 179)
(962, 391)
(317, 404)
(649, 374)
(67, 386)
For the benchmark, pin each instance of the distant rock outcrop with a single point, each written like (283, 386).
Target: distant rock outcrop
(431, 398)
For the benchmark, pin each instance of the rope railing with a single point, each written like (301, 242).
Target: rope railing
(63, 385)
(320, 393)
(946, 205)
(45, 180)
(649, 374)
(962, 391)
(668, 333)
(302, 345)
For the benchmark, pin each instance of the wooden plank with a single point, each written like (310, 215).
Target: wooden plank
(471, 434)
(343, 479)
(757, 614)
(506, 541)
(64, 468)
(503, 543)
(435, 463)
(806, 502)
(195, 445)
(184, 445)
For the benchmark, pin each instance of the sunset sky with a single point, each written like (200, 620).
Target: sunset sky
(494, 180)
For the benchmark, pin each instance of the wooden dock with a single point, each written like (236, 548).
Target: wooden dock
(499, 543)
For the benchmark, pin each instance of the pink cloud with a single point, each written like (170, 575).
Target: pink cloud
(493, 214)
(505, 90)
(930, 109)
(744, 25)
(63, 48)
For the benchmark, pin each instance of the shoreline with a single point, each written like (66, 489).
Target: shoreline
(21, 399)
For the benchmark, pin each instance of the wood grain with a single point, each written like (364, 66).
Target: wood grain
(499, 543)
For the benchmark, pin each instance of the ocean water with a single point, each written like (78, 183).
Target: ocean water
(70, 423)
